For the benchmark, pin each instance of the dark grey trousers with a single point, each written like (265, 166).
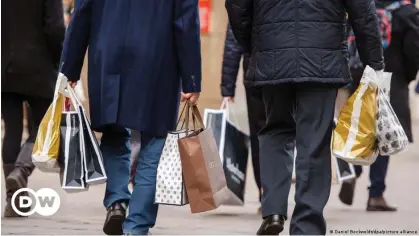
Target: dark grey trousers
(301, 113)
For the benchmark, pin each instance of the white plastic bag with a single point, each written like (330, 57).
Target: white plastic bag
(390, 133)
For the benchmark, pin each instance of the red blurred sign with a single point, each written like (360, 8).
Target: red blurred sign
(204, 15)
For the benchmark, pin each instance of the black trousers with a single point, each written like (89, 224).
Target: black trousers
(12, 113)
(257, 120)
(301, 113)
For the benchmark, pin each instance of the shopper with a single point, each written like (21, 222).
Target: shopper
(299, 60)
(142, 54)
(401, 54)
(32, 34)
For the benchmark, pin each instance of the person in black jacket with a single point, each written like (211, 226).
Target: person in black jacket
(233, 53)
(32, 36)
(402, 59)
(299, 59)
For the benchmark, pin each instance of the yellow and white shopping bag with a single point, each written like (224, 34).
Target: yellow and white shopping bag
(47, 144)
(355, 136)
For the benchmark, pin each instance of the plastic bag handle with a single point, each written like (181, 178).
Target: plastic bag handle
(226, 105)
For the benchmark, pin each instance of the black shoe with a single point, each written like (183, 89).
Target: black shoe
(347, 191)
(114, 219)
(272, 225)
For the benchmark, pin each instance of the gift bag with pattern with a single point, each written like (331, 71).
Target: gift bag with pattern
(170, 187)
(390, 133)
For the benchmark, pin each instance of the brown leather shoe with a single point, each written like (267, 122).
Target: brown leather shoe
(15, 180)
(115, 218)
(347, 191)
(379, 204)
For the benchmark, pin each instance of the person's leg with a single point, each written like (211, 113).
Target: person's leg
(378, 173)
(142, 209)
(115, 147)
(276, 142)
(136, 147)
(257, 120)
(36, 109)
(314, 117)
(12, 114)
(347, 190)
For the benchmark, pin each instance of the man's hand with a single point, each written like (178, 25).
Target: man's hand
(191, 97)
(230, 99)
(72, 84)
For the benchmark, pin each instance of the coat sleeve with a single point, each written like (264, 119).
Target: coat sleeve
(363, 19)
(188, 44)
(240, 15)
(231, 63)
(76, 40)
(54, 28)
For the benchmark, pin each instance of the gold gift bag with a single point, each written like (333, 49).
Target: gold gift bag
(47, 144)
(354, 138)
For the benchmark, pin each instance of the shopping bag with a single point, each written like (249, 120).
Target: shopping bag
(355, 138)
(92, 157)
(70, 155)
(390, 134)
(47, 144)
(170, 185)
(233, 146)
(202, 170)
(341, 170)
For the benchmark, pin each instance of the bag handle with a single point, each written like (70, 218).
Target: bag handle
(180, 117)
(226, 105)
(196, 116)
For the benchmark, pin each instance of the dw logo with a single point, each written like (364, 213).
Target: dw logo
(47, 201)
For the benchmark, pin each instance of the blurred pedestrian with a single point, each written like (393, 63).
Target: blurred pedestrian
(33, 32)
(233, 54)
(141, 55)
(298, 58)
(402, 59)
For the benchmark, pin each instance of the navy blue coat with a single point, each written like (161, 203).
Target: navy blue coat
(141, 54)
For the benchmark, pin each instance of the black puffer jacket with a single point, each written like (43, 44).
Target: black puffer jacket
(233, 53)
(303, 41)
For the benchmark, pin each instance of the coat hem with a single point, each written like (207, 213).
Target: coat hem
(338, 81)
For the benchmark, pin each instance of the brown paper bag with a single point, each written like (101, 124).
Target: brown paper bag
(202, 169)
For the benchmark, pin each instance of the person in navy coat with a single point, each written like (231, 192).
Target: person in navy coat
(142, 56)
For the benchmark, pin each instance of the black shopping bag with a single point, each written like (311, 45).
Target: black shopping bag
(91, 154)
(235, 158)
(93, 160)
(70, 154)
(233, 148)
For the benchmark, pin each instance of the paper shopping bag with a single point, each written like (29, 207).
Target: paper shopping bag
(92, 156)
(355, 138)
(70, 157)
(202, 169)
(233, 146)
(47, 144)
(170, 184)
